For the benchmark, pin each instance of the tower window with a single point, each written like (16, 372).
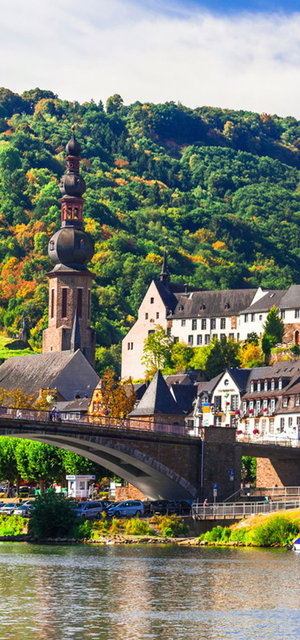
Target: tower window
(69, 212)
(64, 302)
(89, 303)
(52, 303)
(81, 242)
(75, 212)
(79, 303)
(51, 246)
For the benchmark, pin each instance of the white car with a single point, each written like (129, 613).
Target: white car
(8, 508)
(24, 510)
(90, 509)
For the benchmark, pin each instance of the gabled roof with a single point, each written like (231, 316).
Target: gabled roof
(265, 303)
(157, 399)
(184, 396)
(291, 298)
(68, 372)
(208, 385)
(240, 377)
(203, 304)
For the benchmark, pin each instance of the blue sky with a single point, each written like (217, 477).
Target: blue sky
(230, 54)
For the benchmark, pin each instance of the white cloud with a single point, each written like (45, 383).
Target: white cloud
(83, 50)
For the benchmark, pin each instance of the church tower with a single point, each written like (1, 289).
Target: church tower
(70, 282)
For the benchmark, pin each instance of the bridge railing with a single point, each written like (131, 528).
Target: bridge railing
(267, 440)
(239, 510)
(102, 422)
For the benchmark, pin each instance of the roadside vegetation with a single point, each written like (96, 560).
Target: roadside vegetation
(274, 531)
(12, 525)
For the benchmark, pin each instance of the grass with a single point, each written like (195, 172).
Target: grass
(8, 353)
(166, 526)
(258, 531)
(12, 525)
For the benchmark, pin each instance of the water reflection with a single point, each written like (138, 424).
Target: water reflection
(147, 593)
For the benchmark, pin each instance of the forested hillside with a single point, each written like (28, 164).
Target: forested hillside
(219, 188)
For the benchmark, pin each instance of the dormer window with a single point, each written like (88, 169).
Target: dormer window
(272, 385)
(280, 383)
(285, 401)
(227, 305)
(258, 386)
(252, 387)
(181, 308)
(202, 307)
(266, 385)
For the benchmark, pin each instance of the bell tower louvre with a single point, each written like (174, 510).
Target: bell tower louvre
(70, 282)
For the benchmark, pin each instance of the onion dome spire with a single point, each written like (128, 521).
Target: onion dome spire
(164, 274)
(73, 147)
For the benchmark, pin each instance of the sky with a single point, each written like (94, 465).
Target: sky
(229, 54)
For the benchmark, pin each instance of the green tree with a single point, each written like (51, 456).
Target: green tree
(274, 325)
(223, 355)
(9, 469)
(53, 516)
(157, 350)
(39, 462)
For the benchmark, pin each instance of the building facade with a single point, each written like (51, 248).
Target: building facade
(196, 317)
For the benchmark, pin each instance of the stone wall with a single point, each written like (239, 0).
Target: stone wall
(276, 471)
(129, 493)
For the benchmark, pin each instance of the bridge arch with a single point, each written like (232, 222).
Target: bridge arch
(152, 477)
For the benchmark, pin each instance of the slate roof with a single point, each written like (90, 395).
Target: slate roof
(157, 399)
(240, 377)
(184, 396)
(79, 404)
(209, 385)
(271, 299)
(215, 303)
(166, 292)
(68, 372)
(291, 298)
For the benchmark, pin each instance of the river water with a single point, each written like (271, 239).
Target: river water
(147, 593)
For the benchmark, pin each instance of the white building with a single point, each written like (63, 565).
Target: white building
(196, 317)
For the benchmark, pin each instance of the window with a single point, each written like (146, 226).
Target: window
(223, 323)
(215, 336)
(168, 331)
(234, 402)
(52, 303)
(199, 339)
(51, 246)
(64, 302)
(247, 426)
(251, 405)
(89, 303)
(81, 244)
(244, 407)
(129, 346)
(218, 402)
(79, 303)
(157, 315)
(271, 425)
(146, 316)
(258, 385)
(285, 401)
(194, 325)
(246, 317)
(290, 422)
(251, 386)
(272, 385)
(297, 313)
(297, 401)
(183, 323)
(260, 316)
(222, 336)
(231, 336)
(150, 332)
(266, 385)
(282, 424)
(190, 340)
(206, 339)
(280, 383)
(252, 317)
(203, 323)
(265, 403)
(212, 323)
(258, 405)
(264, 426)
(282, 314)
(272, 404)
(151, 300)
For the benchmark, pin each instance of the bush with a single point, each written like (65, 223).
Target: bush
(137, 527)
(53, 516)
(12, 525)
(279, 531)
(170, 526)
(83, 531)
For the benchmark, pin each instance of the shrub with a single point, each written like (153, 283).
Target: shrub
(137, 527)
(170, 526)
(12, 525)
(53, 516)
(83, 530)
(100, 527)
(276, 532)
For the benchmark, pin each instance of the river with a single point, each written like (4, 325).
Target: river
(85, 592)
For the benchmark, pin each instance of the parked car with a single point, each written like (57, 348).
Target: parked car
(8, 508)
(24, 510)
(170, 507)
(91, 509)
(126, 508)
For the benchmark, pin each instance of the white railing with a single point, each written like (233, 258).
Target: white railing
(268, 439)
(239, 510)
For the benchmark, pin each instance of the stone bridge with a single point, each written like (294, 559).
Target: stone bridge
(160, 465)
